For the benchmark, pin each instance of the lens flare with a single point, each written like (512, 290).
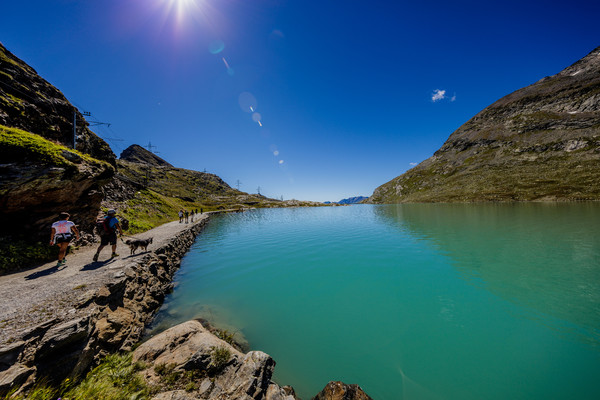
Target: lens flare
(247, 102)
(216, 46)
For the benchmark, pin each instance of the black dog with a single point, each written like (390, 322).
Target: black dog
(135, 243)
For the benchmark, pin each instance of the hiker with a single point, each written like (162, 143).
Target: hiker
(180, 216)
(192, 215)
(202, 211)
(62, 234)
(187, 215)
(110, 225)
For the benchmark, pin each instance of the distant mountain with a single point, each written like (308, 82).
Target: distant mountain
(136, 153)
(352, 200)
(541, 142)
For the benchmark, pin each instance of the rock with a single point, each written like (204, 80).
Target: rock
(247, 379)
(190, 347)
(109, 329)
(342, 391)
(174, 395)
(187, 345)
(14, 377)
(9, 354)
(61, 337)
(73, 157)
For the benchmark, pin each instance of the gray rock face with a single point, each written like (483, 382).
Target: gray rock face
(33, 193)
(191, 347)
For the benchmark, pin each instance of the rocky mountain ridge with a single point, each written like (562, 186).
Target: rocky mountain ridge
(541, 142)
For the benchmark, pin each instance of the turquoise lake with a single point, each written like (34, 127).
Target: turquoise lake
(412, 301)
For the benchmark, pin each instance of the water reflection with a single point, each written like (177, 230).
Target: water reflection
(545, 257)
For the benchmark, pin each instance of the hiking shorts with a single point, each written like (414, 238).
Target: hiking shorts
(62, 238)
(109, 238)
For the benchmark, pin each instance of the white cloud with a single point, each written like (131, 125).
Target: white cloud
(438, 95)
(412, 163)
(453, 98)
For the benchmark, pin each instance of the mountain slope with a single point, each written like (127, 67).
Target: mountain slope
(149, 191)
(541, 142)
(30, 103)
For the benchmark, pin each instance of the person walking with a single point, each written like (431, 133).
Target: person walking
(187, 216)
(109, 234)
(180, 216)
(192, 215)
(62, 234)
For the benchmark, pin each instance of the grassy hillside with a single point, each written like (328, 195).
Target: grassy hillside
(539, 143)
(150, 195)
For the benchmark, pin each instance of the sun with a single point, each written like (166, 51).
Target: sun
(182, 9)
(184, 6)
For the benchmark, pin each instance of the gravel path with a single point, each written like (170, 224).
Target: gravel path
(32, 297)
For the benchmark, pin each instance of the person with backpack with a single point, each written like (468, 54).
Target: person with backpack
(108, 233)
(62, 234)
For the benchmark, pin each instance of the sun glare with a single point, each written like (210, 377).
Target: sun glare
(183, 9)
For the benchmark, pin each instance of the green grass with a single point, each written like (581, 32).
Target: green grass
(15, 255)
(219, 358)
(115, 378)
(548, 178)
(17, 145)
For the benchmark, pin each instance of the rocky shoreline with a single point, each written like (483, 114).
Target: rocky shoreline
(112, 318)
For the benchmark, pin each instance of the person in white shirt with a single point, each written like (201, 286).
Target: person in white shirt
(62, 234)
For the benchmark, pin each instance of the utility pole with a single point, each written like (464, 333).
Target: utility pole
(238, 183)
(90, 123)
(150, 147)
(258, 190)
(147, 177)
(85, 113)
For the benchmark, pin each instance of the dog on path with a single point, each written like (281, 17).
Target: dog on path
(138, 243)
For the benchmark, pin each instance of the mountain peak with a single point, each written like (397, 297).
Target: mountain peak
(137, 154)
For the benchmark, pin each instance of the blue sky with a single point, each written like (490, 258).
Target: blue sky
(314, 100)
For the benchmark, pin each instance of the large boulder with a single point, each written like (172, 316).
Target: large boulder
(221, 371)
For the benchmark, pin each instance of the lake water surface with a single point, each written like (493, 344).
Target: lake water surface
(413, 301)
